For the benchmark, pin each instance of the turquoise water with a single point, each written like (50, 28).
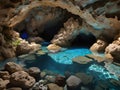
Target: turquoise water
(61, 62)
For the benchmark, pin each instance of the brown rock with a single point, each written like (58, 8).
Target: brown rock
(53, 86)
(23, 48)
(15, 88)
(99, 46)
(4, 75)
(73, 82)
(60, 81)
(13, 67)
(53, 48)
(35, 72)
(3, 84)
(35, 39)
(8, 52)
(22, 79)
(112, 51)
(82, 60)
(97, 58)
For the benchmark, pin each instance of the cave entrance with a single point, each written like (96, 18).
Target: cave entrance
(84, 40)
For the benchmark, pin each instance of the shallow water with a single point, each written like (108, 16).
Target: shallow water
(61, 62)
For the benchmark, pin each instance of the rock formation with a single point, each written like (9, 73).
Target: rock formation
(101, 18)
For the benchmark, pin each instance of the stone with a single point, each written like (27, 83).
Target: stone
(22, 79)
(53, 86)
(40, 85)
(97, 58)
(7, 52)
(50, 78)
(23, 48)
(4, 75)
(86, 79)
(13, 67)
(42, 74)
(53, 48)
(35, 39)
(34, 72)
(60, 80)
(112, 51)
(99, 46)
(73, 83)
(15, 88)
(2, 40)
(82, 60)
(3, 84)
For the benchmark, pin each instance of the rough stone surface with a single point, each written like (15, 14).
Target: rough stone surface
(4, 75)
(112, 51)
(99, 46)
(35, 39)
(22, 79)
(86, 79)
(13, 67)
(53, 86)
(35, 72)
(73, 82)
(60, 80)
(3, 84)
(82, 60)
(96, 57)
(15, 88)
(53, 48)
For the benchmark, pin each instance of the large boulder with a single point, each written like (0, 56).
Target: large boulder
(98, 47)
(15, 88)
(22, 79)
(112, 50)
(53, 48)
(73, 83)
(13, 67)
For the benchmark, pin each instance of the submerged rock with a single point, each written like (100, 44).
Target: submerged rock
(35, 39)
(82, 60)
(73, 83)
(86, 79)
(22, 79)
(13, 67)
(96, 57)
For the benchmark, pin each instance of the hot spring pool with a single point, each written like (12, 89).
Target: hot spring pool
(61, 62)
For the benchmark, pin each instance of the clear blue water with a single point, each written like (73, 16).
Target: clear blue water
(61, 62)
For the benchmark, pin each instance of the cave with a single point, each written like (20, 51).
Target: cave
(59, 44)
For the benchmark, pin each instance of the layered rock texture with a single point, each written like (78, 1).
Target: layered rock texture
(99, 17)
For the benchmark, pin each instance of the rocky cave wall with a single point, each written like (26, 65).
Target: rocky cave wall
(99, 17)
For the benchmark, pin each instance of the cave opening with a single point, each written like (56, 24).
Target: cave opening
(84, 40)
